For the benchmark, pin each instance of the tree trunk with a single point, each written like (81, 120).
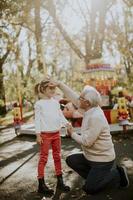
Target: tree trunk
(2, 90)
(2, 93)
(38, 35)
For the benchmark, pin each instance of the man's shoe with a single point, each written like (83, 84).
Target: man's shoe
(124, 181)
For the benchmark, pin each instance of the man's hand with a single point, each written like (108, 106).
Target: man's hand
(69, 129)
(39, 139)
(53, 80)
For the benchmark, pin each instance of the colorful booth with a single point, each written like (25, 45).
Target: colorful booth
(111, 115)
(100, 76)
(103, 78)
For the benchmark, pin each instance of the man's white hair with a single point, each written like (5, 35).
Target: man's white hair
(92, 95)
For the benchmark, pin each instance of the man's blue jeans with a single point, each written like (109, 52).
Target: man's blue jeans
(97, 174)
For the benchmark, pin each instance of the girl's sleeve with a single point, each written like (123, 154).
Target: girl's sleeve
(37, 119)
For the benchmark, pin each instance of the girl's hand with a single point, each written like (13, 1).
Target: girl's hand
(39, 139)
(69, 129)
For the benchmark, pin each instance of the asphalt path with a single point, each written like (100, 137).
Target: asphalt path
(18, 168)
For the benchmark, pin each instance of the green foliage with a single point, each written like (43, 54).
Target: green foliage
(60, 49)
(1, 103)
(9, 8)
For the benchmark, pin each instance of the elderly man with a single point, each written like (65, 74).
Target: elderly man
(97, 162)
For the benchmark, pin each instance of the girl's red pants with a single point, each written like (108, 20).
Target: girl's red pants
(50, 140)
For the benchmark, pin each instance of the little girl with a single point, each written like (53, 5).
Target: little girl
(48, 122)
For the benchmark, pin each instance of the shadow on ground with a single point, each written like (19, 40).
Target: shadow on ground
(25, 178)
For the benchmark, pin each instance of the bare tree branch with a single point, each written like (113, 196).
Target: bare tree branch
(129, 3)
(52, 11)
(24, 25)
(86, 3)
(31, 61)
(82, 12)
(43, 26)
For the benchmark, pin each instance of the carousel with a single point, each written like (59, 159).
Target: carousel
(103, 77)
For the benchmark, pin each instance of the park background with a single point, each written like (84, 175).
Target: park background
(78, 42)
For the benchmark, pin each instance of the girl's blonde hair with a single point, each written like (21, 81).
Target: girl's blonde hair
(43, 84)
(36, 89)
(40, 87)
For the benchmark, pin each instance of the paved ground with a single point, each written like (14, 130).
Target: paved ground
(30, 128)
(18, 164)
